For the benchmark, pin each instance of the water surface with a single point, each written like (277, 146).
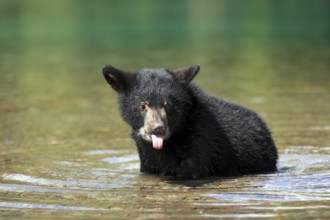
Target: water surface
(65, 152)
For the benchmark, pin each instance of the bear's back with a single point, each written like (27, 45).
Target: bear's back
(247, 133)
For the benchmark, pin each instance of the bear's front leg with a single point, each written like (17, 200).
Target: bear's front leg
(145, 168)
(190, 169)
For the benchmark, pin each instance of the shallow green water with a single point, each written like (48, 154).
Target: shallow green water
(65, 153)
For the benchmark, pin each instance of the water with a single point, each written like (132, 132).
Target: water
(65, 152)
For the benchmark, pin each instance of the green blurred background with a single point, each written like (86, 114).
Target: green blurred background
(271, 55)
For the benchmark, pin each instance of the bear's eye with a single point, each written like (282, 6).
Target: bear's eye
(166, 104)
(143, 106)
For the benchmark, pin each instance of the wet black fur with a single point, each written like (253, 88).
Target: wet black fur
(209, 136)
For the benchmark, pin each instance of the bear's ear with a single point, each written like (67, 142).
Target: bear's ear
(118, 79)
(186, 75)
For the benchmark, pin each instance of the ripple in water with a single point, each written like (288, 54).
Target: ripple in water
(121, 173)
(301, 178)
(21, 205)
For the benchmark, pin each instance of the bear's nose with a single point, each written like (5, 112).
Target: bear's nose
(158, 129)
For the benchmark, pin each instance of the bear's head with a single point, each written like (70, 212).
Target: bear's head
(154, 102)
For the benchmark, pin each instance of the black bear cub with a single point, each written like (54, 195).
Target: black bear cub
(181, 131)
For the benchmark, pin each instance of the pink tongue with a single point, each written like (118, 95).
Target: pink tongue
(157, 142)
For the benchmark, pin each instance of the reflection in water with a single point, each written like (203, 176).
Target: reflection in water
(65, 152)
(118, 176)
(43, 206)
(296, 182)
(127, 158)
(67, 183)
(308, 181)
(31, 188)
